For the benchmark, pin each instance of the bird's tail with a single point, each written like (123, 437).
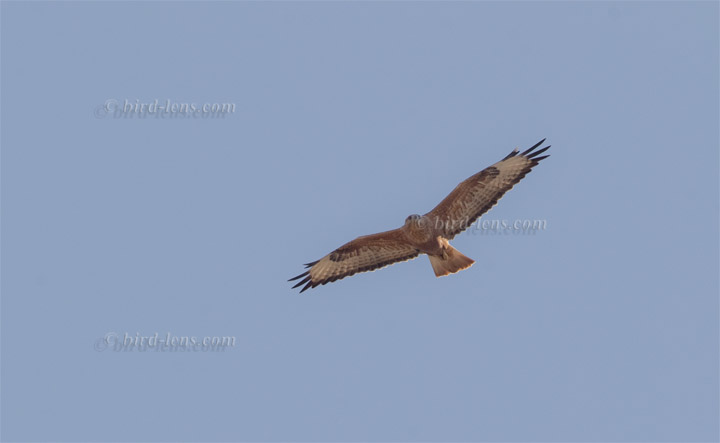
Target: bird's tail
(450, 263)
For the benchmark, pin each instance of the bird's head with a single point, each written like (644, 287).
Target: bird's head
(413, 219)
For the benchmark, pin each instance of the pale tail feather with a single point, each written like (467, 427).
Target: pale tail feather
(455, 262)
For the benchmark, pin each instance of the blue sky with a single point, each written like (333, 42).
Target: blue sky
(349, 117)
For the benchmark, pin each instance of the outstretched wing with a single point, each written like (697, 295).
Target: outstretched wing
(476, 195)
(363, 254)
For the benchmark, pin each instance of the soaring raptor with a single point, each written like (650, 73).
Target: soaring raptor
(429, 233)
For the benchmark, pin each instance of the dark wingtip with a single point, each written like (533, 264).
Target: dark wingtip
(533, 147)
(512, 154)
(307, 286)
(536, 153)
(298, 276)
(302, 282)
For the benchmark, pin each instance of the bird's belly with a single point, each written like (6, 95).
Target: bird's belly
(433, 246)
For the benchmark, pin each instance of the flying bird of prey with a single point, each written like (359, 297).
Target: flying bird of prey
(429, 233)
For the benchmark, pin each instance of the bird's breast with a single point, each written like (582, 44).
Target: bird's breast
(420, 231)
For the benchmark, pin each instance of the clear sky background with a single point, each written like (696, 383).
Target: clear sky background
(349, 117)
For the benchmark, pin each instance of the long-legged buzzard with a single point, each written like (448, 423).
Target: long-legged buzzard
(429, 233)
